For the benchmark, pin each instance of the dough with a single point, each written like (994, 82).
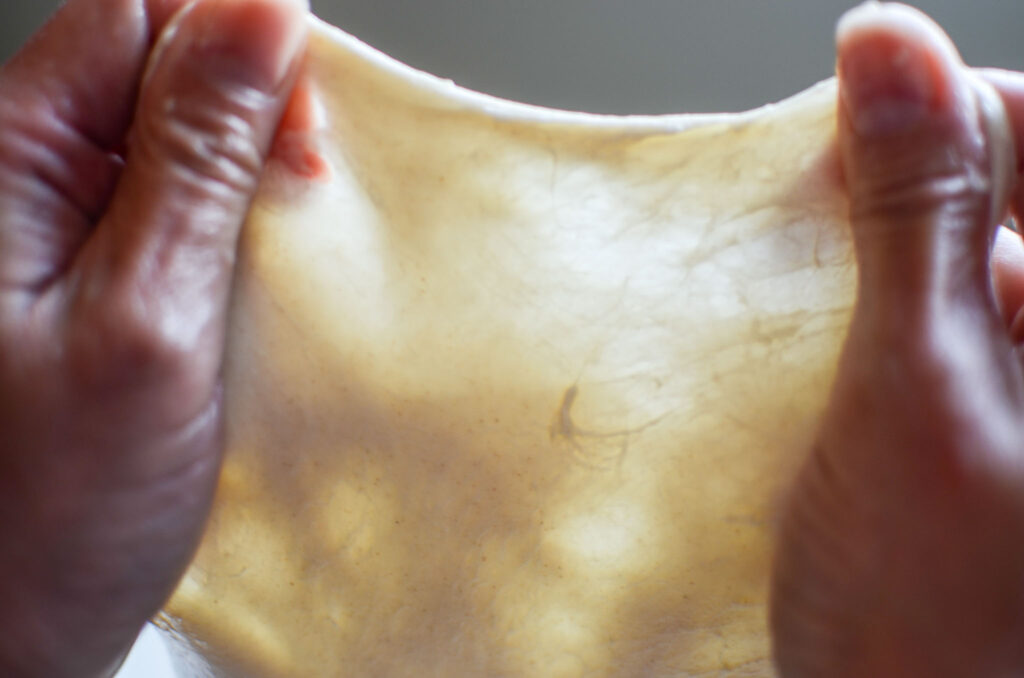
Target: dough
(513, 391)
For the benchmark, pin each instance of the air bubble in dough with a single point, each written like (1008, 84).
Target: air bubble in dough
(515, 392)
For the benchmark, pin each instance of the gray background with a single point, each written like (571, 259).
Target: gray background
(622, 56)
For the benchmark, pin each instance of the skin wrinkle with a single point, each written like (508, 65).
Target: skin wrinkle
(217, 136)
(53, 121)
(82, 174)
(216, 131)
(90, 115)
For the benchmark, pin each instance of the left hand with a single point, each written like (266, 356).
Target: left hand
(122, 192)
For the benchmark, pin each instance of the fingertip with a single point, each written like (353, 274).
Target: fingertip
(895, 66)
(162, 12)
(224, 71)
(254, 42)
(206, 119)
(895, 18)
(925, 156)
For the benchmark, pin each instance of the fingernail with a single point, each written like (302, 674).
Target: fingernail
(887, 81)
(254, 42)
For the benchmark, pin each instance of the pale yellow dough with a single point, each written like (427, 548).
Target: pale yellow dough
(517, 392)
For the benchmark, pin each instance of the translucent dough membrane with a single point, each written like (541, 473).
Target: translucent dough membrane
(512, 391)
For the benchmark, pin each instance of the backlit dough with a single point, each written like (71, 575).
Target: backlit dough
(515, 392)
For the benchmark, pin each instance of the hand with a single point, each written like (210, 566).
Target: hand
(122, 190)
(901, 552)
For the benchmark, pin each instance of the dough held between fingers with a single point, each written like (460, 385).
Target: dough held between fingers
(515, 392)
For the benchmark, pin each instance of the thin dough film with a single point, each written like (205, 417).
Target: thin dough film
(513, 391)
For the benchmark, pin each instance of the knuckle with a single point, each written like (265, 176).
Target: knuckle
(47, 165)
(960, 192)
(208, 139)
(918, 177)
(128, 341)
(144, 343)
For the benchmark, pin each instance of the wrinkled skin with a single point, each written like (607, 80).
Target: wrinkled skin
(899, 553)
(120, 203)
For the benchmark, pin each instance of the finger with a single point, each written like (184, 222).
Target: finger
(918, 161)
(1010, 87)
(1008, 273)
(85, 64)
(1008, 252)
(66, 100)
(157, 271)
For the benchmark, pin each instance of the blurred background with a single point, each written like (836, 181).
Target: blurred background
(609, 56)
(621, 56)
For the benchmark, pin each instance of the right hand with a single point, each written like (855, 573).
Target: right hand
(901, 553)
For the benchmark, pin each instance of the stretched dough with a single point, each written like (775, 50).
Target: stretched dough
(514, 391)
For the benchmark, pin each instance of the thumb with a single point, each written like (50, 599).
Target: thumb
(927, 157)
(156, 273)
